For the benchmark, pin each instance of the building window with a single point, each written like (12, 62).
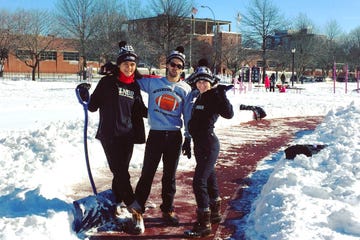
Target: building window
(23, 54)
(260, 63)
(71, 56)
(48, 55)
(93, 58)
(272, 64)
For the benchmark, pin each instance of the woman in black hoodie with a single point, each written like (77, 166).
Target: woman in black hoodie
(118, 98)
(210, 103)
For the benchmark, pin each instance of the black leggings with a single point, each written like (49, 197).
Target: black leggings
(118, 152)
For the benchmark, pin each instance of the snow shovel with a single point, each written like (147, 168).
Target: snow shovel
(94, 210)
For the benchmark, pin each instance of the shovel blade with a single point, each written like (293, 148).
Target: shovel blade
(93, 211)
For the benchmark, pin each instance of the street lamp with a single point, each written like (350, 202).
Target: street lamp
(293, 63)
(215, 30)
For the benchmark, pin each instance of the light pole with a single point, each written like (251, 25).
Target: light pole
(293, 63)
(215, 31)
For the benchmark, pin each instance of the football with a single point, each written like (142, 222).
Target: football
(167, 102)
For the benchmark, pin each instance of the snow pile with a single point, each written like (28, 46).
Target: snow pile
(315, 197)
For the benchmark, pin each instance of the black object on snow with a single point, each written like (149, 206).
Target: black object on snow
(306, 149)
(259, 112)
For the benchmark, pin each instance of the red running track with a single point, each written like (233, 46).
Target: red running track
(242, 147)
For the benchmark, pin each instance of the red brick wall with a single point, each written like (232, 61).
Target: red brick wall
(14, 65)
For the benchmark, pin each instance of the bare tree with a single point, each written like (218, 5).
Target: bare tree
(141, 36)
(302, 21)
(332, 30)
(37, 36)
(109, 20)
(261, 20)
(76, 17)
(313, 51)
(233, 55)
(5, 38)
(134, 9)
(309, 49)
(168, 31)
(351, 48)
(329, 46)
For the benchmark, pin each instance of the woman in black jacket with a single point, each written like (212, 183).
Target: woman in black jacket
(118, 98)
(210, 103)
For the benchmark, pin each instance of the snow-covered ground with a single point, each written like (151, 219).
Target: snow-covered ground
(42, 158)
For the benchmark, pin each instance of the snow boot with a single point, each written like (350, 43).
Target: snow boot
(170, 218)
(215, 215)
(202, 227)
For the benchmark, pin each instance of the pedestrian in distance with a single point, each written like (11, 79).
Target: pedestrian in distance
(272, 82)
(210, 103)
(282, 78)
(118, 98)
(267, 83)
(169, 109)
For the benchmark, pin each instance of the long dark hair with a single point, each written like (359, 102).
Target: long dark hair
(137, 74)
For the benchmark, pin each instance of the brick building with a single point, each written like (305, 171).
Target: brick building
(58, 60)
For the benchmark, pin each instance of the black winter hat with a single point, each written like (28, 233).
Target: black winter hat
(177, 53)
(126, 53)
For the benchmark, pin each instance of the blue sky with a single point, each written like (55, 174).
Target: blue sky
(345, 12)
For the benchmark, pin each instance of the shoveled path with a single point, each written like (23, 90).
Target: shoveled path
(242, 147)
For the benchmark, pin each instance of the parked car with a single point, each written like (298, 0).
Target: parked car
(319, 79)
(342, 79)
(306, 79)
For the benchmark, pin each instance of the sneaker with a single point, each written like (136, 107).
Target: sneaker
(137, 226)
(170, 218)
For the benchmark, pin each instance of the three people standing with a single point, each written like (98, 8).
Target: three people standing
(170, 107)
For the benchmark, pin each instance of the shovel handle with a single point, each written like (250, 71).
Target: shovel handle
(85, 106)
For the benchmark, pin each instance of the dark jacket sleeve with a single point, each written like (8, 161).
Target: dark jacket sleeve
(224, 107)
(138, 113)
(96, 98)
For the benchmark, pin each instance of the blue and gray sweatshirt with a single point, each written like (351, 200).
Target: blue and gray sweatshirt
(167, 101)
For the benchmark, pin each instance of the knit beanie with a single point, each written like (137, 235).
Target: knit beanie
(177, 53)
(203, 73)
(126, 53)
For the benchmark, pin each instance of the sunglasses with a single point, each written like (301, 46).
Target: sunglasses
(179, 66)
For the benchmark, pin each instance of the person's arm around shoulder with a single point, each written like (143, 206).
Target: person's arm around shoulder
(145, 83)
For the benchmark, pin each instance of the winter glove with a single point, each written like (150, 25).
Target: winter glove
(83, 90)
(186, 149)
(246, 107)
(259, 113)
(224, 88)
(108, 69)
(221, 91)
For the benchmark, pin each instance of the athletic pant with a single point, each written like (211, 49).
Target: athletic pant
(165, 145)
(206, 150)
(118, 152)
